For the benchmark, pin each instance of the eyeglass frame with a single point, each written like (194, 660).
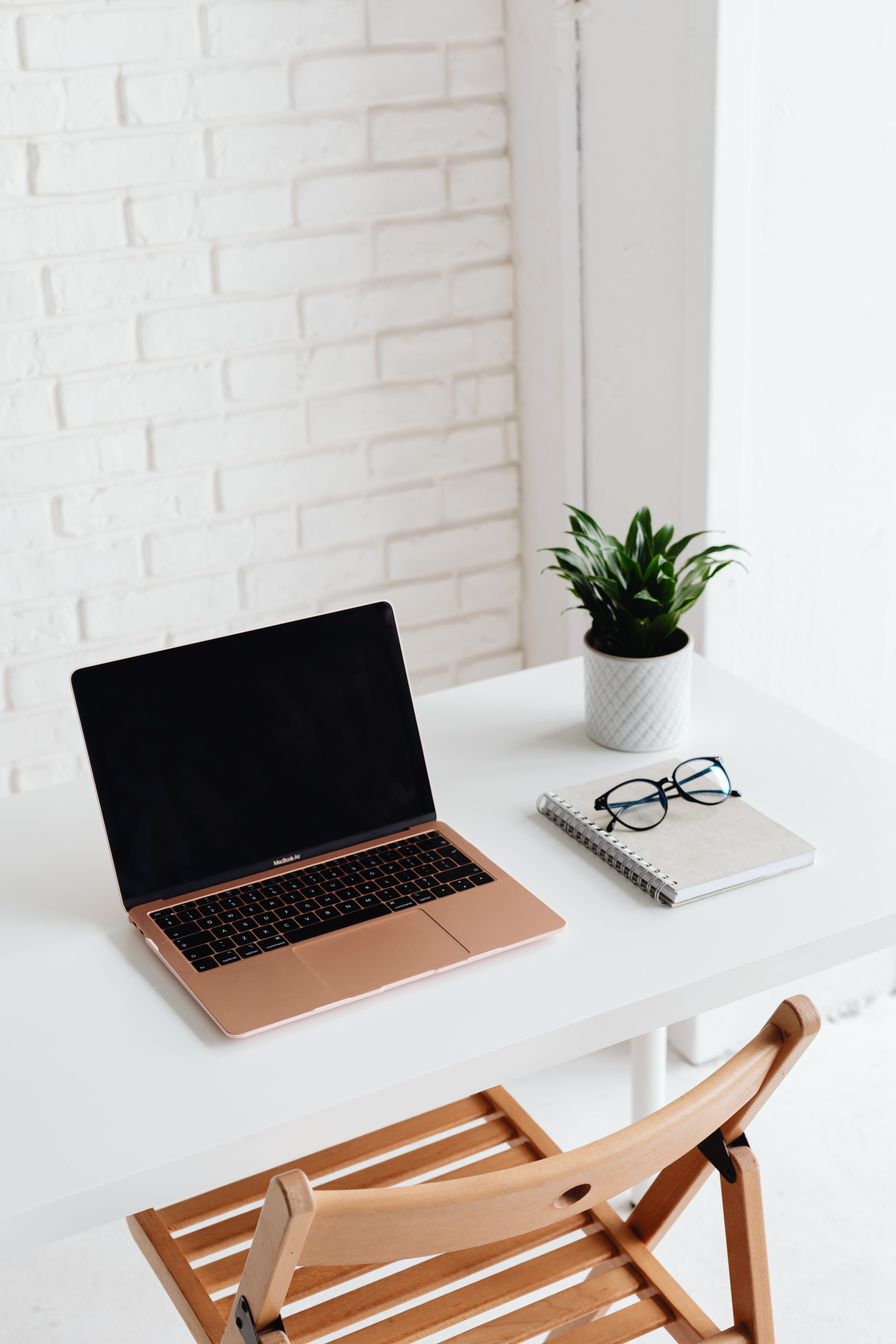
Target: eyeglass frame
(600, 804)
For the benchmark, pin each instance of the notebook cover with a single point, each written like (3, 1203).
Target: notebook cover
(700, 850)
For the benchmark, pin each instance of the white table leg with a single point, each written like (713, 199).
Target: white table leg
(648, 1068)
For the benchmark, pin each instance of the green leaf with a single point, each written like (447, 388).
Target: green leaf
(631, 590)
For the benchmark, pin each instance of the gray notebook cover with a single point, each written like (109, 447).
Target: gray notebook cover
(694, 852)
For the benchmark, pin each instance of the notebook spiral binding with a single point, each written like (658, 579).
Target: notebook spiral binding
(645, 876)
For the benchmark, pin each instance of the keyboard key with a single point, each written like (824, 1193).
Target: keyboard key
(244, 939)
(328, 912)
(425, 869)
(464, 884)
(269, 944)
(399, 902)
(165, 919)
(465, 870)
(265, 930)
(444, 889)
(184, 928)
(443, 865)
(287, 925)
(421, 897)
(242, 924)
(249, 950)
(305, 906)
(346, 907)
(291, 884)
(313, 889)
(306, 920)
(198, 953)
(369, 900)
(184, 942)
(208, 908)
(406, 888)
(252, 908)
(226, 958)
(221, 945)
(481, 878)
(340, 922)
(229, 903)
(207, 964)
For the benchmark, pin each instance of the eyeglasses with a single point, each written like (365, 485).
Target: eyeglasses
(641, 804)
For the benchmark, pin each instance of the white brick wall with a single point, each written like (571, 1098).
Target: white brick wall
(256, 347)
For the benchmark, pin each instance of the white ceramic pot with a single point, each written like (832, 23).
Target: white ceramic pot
(638, 704)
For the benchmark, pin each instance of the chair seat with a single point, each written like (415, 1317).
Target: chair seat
(362, 1242)
(191, 1246)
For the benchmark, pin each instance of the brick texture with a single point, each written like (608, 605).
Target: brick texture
(256, 341)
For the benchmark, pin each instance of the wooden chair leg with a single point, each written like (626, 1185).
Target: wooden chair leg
(796, 1020)
(747, 1257)
(279, 1237)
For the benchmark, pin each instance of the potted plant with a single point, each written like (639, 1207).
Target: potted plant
(637, 658)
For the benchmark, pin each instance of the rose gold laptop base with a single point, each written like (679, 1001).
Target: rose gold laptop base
(292, 982)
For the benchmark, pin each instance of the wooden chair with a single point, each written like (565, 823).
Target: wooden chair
(340, 1216)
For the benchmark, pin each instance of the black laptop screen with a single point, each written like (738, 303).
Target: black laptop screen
(219, 759)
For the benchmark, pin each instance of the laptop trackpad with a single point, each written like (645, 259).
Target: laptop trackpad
(382, 952)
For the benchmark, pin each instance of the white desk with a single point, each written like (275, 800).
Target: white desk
(120, 1093)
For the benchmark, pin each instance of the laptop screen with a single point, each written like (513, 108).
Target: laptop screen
(224, 758)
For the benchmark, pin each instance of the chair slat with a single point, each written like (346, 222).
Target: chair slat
(464, 1303)
(428, 1276)
(419, 1161)
(629, 1323)
(517, 1156)
(559, 1309)
(212, 1203)
(217, 1275)
(685, 1308)
(217, 1237)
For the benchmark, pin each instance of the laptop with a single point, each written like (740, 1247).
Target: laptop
(271, 824)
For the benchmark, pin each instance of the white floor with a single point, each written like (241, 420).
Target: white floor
(824, 1142)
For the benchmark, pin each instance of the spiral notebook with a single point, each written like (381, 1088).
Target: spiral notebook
(696, 851)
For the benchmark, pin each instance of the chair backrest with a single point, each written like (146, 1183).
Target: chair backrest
(362, 1226)
(376, 1226)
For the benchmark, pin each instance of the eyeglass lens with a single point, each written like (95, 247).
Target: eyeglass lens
(637, 803)
(703, 780)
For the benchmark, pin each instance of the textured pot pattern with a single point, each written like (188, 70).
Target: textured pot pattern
(637, 704)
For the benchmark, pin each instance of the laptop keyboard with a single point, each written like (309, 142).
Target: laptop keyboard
(259, 917)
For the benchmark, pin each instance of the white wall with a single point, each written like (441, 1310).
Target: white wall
(647, 135)
(257, 352)
(803, 460)
(739, 211)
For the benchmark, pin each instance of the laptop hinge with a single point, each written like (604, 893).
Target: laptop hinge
(246, 1325)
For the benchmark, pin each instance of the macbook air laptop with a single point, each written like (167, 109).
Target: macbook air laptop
(271, 824)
